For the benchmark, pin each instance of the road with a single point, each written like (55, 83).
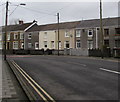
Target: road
(73, 78)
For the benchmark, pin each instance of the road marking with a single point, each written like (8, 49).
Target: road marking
(35, 84)
(107, 70)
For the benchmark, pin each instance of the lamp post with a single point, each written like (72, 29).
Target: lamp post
(101, 29)
(6, 22)
(58, 31)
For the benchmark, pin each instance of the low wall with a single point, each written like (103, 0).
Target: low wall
(79, 52)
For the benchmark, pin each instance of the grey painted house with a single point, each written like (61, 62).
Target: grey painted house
(88, 34)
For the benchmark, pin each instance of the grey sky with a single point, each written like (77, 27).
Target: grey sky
(44, 12)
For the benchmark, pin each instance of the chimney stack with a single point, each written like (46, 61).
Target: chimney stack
(21, 22)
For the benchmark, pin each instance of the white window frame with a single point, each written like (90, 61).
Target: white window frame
(66, 43)
(52, 44)
(15, 46)
(66, 33)
(36, 43)
(78, 32)
(45, 44)
(15, 35)
(0, 37)
(21, 36)
(45, 35)
(22, 45)
(60, 44)
(90, 45)
(8, 36)
(78, 42)
(29, 45)
(0, 44)
(90, 30)
(29, 36)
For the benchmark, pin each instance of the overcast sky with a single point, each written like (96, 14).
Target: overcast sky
(45, 12)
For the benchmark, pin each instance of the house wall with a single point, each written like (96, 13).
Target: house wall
(96, 38)
(49, 38)
(33, 40)
(63, 38)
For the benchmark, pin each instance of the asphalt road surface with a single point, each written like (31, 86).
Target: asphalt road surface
(73, 78)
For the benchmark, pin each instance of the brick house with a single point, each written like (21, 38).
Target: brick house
(15, 35)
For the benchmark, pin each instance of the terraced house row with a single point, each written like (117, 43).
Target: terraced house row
(79, 36)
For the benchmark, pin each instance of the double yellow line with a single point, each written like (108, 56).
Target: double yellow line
(46, 97)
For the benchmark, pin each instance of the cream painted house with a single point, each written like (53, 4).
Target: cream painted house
(47, 39)
(48, 36)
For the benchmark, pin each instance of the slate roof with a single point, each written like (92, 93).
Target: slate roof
(96, 22)
(17, 27)
(65, 25)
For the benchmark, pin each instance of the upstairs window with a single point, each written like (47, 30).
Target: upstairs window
(106, 32)
(66, 33)
(117, 30)
(21, 35)
(15, 36)
(78, 33)
(0, 36)
(8, 36)
(90, 33)
(45, 35)
(29, 36)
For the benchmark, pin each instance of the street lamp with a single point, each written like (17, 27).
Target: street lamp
(101, 29)
(6, 22)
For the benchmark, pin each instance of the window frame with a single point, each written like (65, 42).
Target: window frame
(78, 33)
(14, 46)
(78, 42)
(67, 33)
(90, 30)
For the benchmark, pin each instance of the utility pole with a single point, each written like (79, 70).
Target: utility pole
(5, 35)
(101, 29)
(58, 31)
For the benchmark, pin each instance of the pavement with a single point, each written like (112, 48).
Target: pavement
(73, 78)
(10, 89)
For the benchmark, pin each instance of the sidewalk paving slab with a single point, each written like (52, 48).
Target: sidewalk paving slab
(9, 85)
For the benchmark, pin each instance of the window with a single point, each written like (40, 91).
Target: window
(117, 43)
(45, 35)
(90, 44)
(15, 36)
(66, 44)
(60, 45)
(0, 36)
(45, 43)
(29, 36)
(106, 43)
(36, 45)
(22, 45)
(66, 33)
(8, 36)
(106, 32)
(78, 44)
(15, 45)
(21, 35)
(117, 30)
(78, 33)
(90, 33)
(29, 45)
(0, 45)
(52, 44)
